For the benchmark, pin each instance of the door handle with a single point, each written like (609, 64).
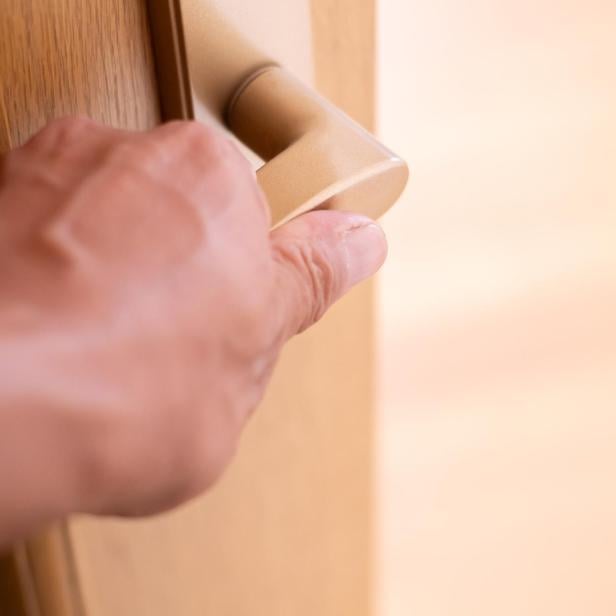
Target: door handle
(315, 156)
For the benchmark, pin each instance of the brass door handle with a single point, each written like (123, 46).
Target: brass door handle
(315, 155)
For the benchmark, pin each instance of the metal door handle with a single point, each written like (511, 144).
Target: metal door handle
(315, 155)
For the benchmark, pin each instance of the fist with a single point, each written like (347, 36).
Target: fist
(139, 276)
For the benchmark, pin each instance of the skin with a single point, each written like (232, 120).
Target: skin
(143, 304)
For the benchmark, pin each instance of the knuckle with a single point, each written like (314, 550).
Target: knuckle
(125, 155)
(131, 158)
(210, 144)
(65, 130)
(193, 131)
(317, 278)
(194, 136)
(55, 140)
(205, 142)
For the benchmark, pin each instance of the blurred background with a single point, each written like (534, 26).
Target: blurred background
(497, 309)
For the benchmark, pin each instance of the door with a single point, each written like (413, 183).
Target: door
(289, 528)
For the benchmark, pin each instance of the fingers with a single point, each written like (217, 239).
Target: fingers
(319, 257)
(63, 149)
(205, 159)
(39, 175)
(196, 160)
(120, 195)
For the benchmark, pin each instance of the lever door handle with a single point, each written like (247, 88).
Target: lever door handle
(315, 155)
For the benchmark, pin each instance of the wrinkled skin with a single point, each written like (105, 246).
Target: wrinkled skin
(143, 304)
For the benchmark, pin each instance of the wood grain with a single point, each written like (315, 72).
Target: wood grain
(59, 57)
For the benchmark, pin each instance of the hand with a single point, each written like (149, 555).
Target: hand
(143, 304)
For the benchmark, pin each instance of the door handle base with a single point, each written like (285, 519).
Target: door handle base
(315, 155)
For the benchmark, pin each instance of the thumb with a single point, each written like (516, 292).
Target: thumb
(318, 257)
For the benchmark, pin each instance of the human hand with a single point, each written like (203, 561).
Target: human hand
(143, 304)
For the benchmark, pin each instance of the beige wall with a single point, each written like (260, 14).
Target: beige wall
(498, 309)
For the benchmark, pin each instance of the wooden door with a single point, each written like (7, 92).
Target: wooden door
(289, 529)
